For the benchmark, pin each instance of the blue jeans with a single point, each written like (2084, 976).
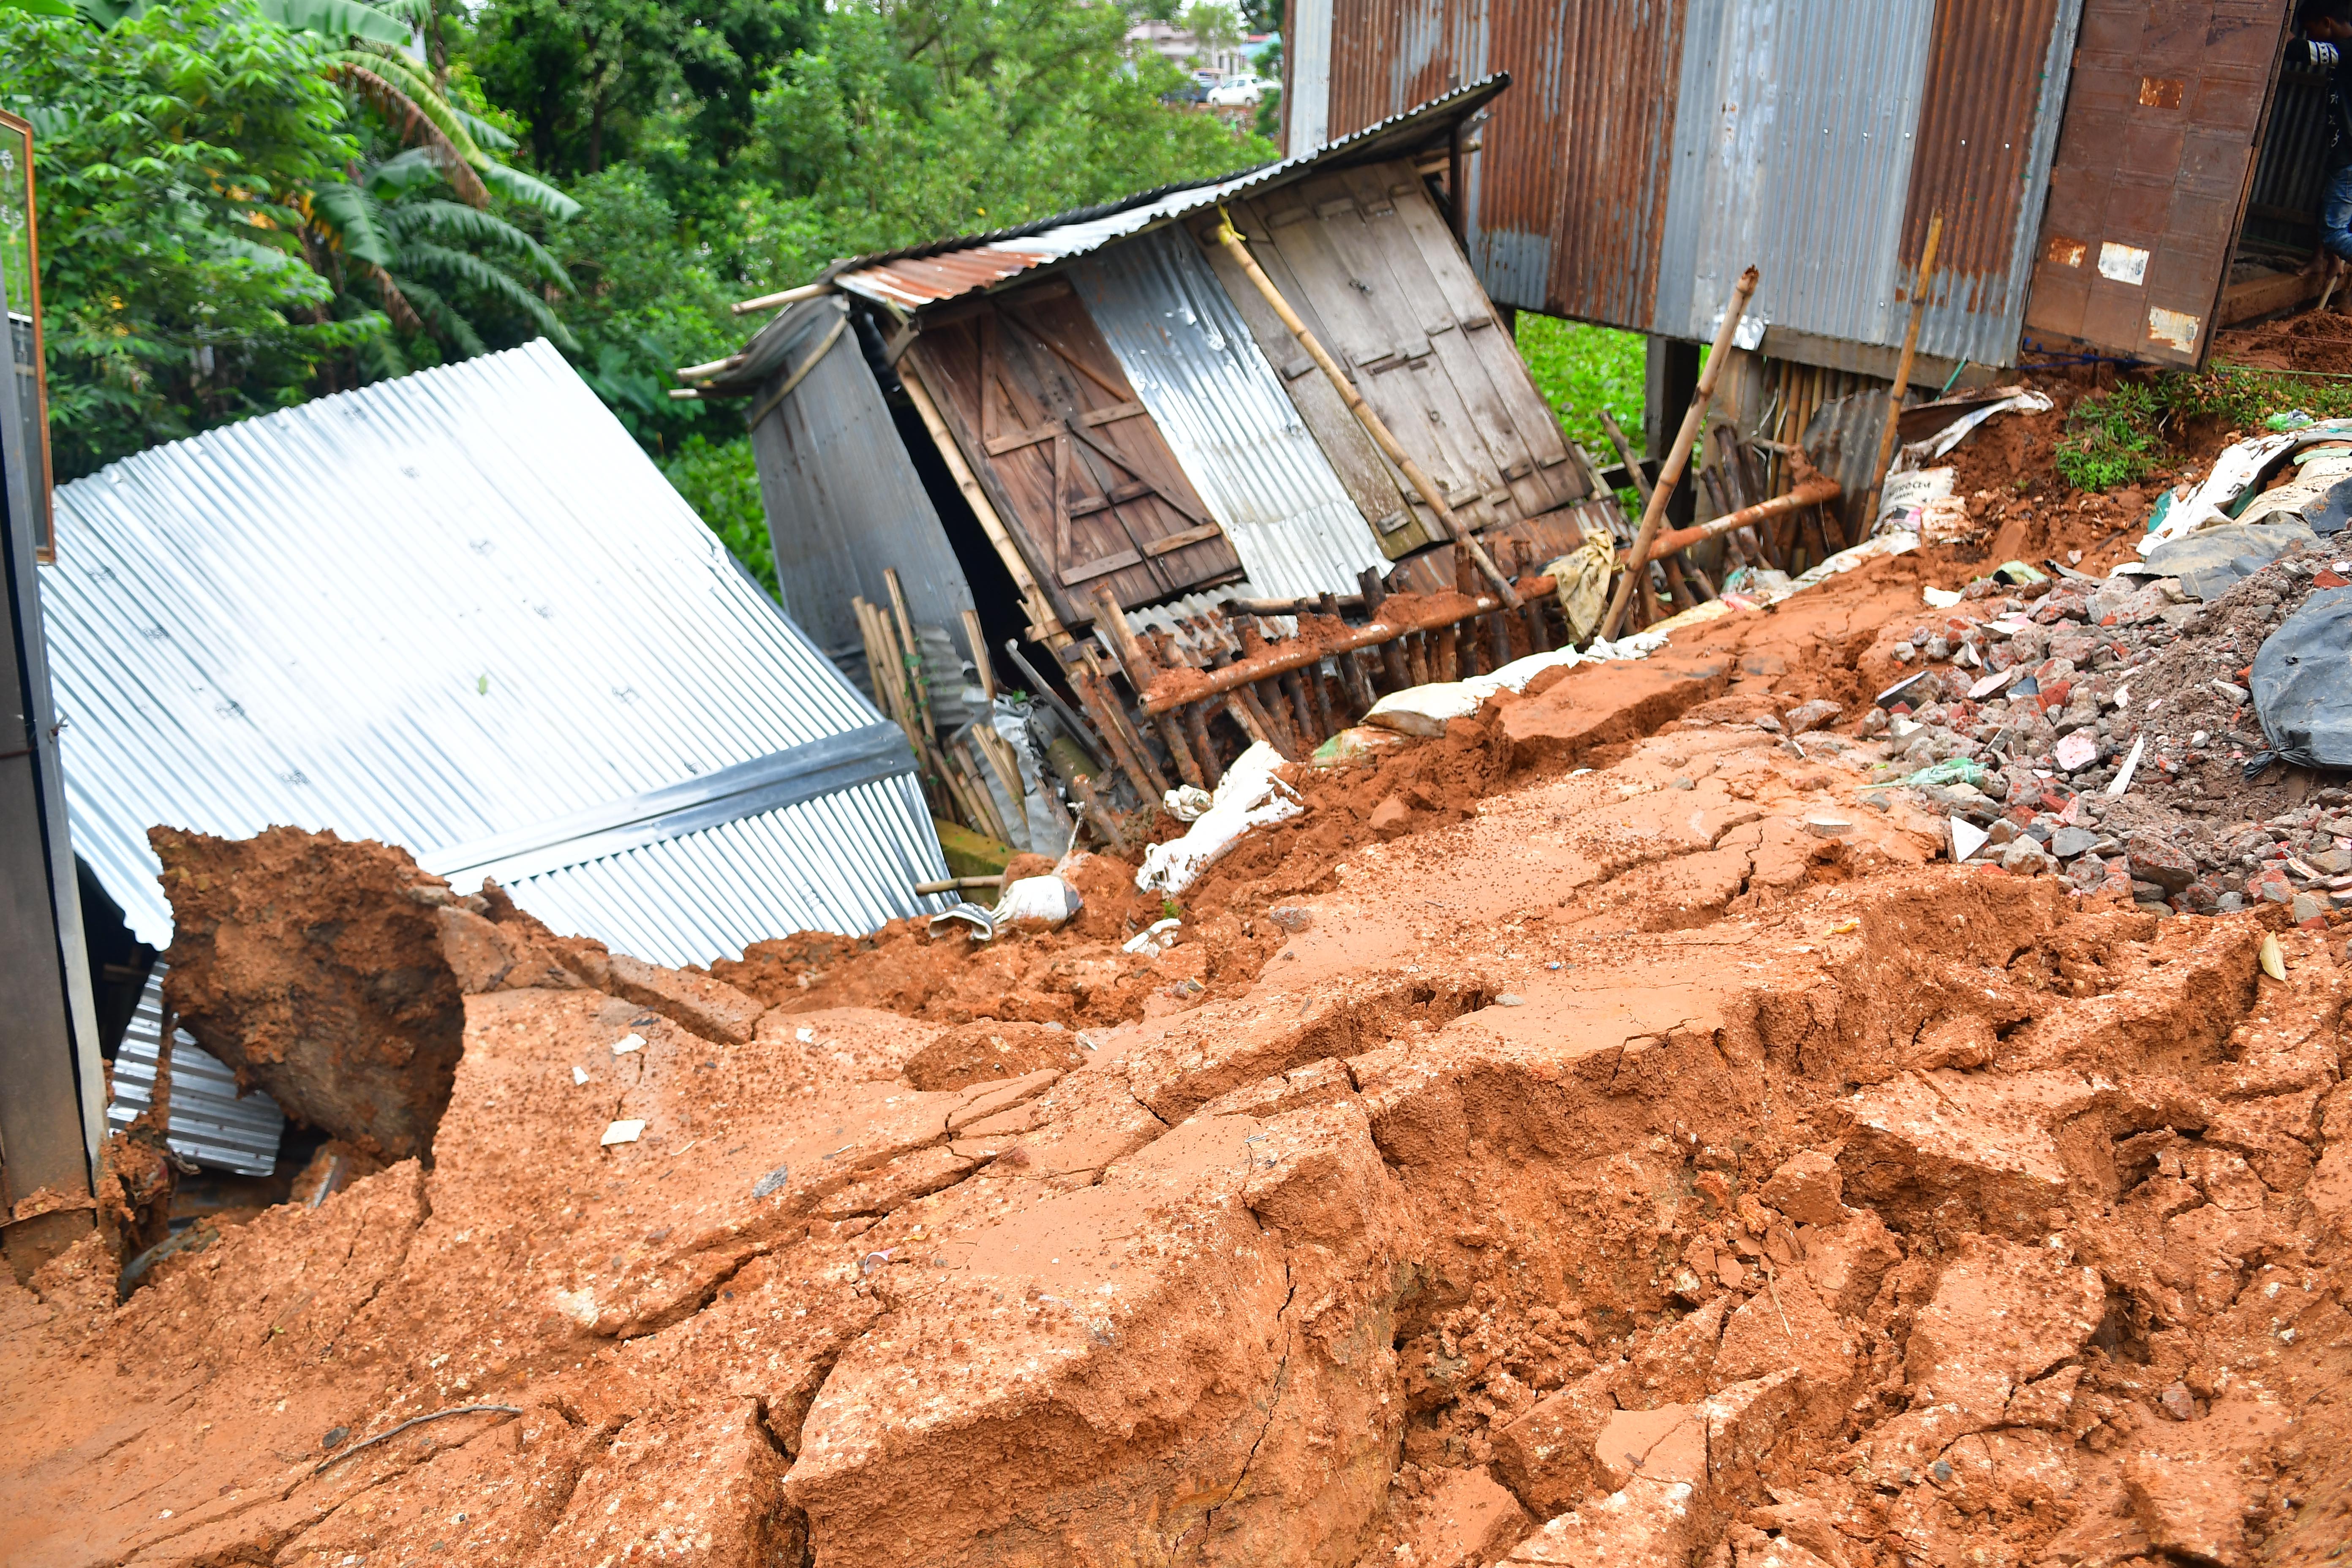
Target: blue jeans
(2336, 213)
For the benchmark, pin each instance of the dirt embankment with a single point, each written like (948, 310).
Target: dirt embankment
(1607, 1135)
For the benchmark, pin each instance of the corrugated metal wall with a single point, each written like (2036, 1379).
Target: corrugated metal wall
(1193, 364)
(842, 502)
(1650, 149)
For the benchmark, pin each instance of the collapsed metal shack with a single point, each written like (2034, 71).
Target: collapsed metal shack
(460, 612)
(1141, 471)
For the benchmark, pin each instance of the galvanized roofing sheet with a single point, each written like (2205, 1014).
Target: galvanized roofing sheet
(447, 612)
(925, 275)
(207, 1121)
(1194, 366)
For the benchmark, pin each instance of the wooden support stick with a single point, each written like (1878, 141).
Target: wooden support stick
(1142, 669)
(1886, 438)
(1677, 456)
(1230, 237)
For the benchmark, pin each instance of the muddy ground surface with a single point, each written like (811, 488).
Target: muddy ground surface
(1608, 1134)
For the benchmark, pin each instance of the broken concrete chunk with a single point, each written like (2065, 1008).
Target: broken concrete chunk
(1743, 1422)
(1911, 1148)
(1806, 717)
(2003, 1315)
(2191, 1506)
(986, 1102)
(1468, 1522)
(1808, 1189)
(1677, 1362)
(711, 1008)
(1666, 1445)
(1787, 1324)
(1845, 1263)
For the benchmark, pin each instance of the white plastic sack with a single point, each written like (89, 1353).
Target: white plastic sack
(1033, 902)
(2019, 400)
(1906, 498)
(1425, 709)
(1252, 795)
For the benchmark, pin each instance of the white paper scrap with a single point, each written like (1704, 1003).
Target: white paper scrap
(621, 1132)
(579, 1075)
(1967, 838)
(628, 1042)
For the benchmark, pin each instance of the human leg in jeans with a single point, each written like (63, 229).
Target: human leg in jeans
(2336, 214)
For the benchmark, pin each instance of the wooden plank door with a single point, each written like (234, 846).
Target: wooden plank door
(1527, 432)
(2154, 156)
(1050, 424)
(1320, 239)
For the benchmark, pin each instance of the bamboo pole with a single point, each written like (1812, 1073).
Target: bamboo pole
(1230, 237)
(1677, 456)
(1642, 486)
(1886, 438)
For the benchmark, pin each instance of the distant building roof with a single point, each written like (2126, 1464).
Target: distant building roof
(462, 612)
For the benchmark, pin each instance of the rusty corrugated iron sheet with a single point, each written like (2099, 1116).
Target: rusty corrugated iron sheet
(1568, 194)
(1986, 133)
(914, 281)
(1655, 147)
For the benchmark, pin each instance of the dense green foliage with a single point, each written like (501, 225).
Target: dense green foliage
(1582, 369)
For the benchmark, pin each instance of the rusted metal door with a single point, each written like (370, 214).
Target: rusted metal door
(1051, 426)
(1365, 258)
(2153, 160)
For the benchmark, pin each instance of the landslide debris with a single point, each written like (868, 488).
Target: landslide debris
(1892, 1212)
(305, 964)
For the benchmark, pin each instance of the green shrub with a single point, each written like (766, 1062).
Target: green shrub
(2112, 438)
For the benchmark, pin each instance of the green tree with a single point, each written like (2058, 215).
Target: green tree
(171, 152)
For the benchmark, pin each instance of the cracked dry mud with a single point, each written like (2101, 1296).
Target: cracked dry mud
(1674, 1162)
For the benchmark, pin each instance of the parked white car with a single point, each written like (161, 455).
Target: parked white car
(1240, 92)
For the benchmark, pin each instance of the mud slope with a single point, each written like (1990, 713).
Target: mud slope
(1668, 1163)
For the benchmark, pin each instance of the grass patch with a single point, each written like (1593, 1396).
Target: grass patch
(1580, 369)
(2118, 437)
(2113, 438)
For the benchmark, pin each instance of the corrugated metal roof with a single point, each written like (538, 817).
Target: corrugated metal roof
(951, 268)
(208, 1122)
(456, 607)
(1192, 363)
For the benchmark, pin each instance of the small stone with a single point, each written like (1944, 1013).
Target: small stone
(2334, 862)
(2231, 692)
(1936, 650)
(1814, 715)
(1904, 653)
(2197, 898)
(1510, 999)
(1682, 784)
(2230, 903)
(1769, 724)
(1822, 826)
(334, 1438)
(2001, 831)
(2154, 858)
(1291, 918)
(2069, 842)
(2024, 857)
(2078, 749)
(2307, 907)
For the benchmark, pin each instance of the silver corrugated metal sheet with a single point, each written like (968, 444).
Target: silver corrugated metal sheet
(208, 1122)
(1194, 366)
(449, 609)
(1792, 150)
(1796, 149)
